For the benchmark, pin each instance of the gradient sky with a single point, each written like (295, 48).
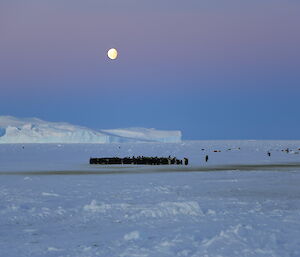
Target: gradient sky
(213, 69)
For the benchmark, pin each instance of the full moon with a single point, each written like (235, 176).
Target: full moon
(112, 53)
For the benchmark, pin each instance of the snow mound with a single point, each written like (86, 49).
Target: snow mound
(169, 209)
(134, 235)
(160, 210)
(33, 130)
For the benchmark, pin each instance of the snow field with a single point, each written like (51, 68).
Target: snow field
(224, 213)
(193, 214)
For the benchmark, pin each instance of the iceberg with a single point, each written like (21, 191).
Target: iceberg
(146, 134)
(33, 130)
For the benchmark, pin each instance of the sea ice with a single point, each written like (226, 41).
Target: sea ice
(53, 203)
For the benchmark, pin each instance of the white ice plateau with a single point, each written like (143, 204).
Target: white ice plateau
(33, 130)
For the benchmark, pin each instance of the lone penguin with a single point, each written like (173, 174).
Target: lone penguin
(186, 161)
(206, 158)
(269, 153)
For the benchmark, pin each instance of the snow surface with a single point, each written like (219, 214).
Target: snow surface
(52, 203)
(33, 130)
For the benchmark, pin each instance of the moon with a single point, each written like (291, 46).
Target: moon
(112, 53)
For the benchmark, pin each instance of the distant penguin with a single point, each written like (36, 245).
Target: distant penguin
(206, 158)
(186, 161)
(269, 153)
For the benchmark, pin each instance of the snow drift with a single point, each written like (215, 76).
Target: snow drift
(33, 130)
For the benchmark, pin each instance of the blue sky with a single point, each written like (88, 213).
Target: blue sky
(213, 69)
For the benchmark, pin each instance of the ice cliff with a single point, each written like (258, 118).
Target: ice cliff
(33, 130)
